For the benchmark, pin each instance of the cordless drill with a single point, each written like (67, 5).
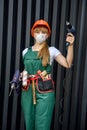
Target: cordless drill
(70, 29)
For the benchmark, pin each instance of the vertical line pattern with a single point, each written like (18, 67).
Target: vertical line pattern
(17, 18)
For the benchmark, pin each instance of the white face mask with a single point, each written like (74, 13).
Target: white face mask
(40, 37)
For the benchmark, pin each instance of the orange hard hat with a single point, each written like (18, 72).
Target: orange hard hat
(40, 23)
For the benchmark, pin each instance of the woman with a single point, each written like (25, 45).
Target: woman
(38, 101)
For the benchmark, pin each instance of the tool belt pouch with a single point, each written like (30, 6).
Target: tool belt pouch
(45, 85)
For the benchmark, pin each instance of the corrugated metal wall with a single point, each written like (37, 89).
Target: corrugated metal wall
(16, 19)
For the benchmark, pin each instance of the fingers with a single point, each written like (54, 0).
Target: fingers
(70, 38)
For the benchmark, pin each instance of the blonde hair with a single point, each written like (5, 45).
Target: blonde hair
(44, 54)
(41, 28)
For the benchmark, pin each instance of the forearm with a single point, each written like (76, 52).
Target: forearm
(67, 61)
(69, 57)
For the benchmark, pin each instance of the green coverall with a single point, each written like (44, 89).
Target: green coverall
(37, 117)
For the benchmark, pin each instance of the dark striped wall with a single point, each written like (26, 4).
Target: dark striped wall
(16, 20)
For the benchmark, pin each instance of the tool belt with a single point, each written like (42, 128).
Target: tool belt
(46, 85)
(42, 85)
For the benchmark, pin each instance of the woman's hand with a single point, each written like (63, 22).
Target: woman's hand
(70, 38)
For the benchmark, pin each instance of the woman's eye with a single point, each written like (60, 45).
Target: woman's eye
(36, 32)
(43, 32)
